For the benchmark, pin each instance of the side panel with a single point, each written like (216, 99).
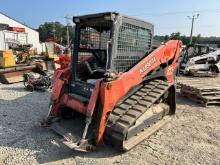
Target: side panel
(61, 78)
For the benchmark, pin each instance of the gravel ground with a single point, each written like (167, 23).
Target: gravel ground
(192, 137)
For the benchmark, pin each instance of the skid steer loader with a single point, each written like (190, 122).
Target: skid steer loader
(206, 65)
(121, 90)
(192, 51)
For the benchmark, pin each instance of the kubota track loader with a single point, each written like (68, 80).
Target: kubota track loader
(122, 89)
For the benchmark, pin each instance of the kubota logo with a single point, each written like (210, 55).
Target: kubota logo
(147, 65)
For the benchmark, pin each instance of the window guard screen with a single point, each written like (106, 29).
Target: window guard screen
(133, 43)
(94, 37)
(133, 38)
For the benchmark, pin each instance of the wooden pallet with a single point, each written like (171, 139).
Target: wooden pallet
(204, 93)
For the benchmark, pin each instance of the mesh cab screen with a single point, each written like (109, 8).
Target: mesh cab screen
(94, 37)
(133, 43)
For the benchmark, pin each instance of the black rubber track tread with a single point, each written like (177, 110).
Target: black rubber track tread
(126, 114)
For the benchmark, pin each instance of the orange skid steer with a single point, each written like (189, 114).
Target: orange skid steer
(123, 90)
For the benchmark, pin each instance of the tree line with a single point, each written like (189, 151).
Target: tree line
(58, 30)
(55, 30)
(185, 39)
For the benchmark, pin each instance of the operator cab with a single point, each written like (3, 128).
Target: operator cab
(106, 41)
(94, 38)
(197, 50)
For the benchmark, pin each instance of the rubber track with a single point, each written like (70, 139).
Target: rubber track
(125, 114)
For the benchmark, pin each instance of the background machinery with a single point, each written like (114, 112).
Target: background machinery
(203, 65)
(18, 60)
(37, 79)
(192, 51)
(119, 89)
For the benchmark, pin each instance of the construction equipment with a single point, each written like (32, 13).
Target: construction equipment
(6, 59)
(122, 90)
(17, 61)
(15, 73)
(21, 51)
(34, 81)
(191, 51)
(203, 65)
(38, 79)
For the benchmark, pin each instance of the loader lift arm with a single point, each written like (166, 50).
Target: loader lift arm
(115, 90)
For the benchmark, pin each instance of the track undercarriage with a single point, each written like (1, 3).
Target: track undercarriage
(140, 111)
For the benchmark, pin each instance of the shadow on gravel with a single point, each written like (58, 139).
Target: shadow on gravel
(185, 101)
(20, 130)
(17, 89)
(22, 89)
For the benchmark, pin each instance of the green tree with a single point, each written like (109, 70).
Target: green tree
(196, 39)
(166, 37)
(175, 36)
(178, 36)
(51, 29)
